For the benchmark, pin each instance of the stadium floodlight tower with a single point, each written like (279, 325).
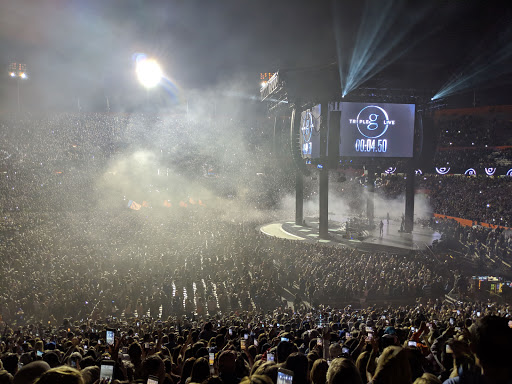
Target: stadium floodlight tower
(18, 71)
(148, 72)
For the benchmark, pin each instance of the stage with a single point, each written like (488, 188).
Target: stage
(370, 240)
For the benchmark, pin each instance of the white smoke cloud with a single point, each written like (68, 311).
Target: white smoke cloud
(348, 199)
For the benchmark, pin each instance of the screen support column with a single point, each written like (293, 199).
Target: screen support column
(370, 188)
(409, 198)
(324, 202)
(299, 180)
(324, 178)
(299, 197)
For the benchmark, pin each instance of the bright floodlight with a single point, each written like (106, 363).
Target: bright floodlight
(12, 74)
(148, 72)
(23, 75)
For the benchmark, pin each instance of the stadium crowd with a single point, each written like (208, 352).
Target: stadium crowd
(463, 159)
(176, 285)
(480, 199)
(466, 130)
(422, 343)
(158, 265)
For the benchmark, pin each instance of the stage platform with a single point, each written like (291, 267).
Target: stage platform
(392, 239)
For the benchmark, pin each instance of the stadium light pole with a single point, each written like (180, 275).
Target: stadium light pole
(18, 71)
(149, 73)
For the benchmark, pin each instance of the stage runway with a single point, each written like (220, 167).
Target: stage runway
(391, 241)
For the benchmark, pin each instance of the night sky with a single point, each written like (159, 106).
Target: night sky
(86, 47)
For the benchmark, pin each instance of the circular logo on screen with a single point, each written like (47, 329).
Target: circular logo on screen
(307, 127)
(372, 121)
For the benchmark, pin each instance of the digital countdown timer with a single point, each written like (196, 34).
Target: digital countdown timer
(371, 145)
(376, 130)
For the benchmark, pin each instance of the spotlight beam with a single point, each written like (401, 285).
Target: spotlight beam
(486, 66)
(384, 61)
(382, 29)
(368, 38)
(339, 50)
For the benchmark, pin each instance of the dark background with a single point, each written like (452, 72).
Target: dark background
(84, 48)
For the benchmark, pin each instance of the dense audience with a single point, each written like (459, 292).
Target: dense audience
(480, 199)
(157, 265)
(426, 342)
(44, 160)
(461, 159)
(473, 130)
(486, 248)
(194, 294)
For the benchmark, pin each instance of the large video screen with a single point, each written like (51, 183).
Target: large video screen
(310, 132)
(376, 130)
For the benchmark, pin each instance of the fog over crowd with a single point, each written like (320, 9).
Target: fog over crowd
(140, 166)
(147, 224)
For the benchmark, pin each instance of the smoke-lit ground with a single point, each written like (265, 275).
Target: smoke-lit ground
(161, 208)
(209, 156)
(216, 157)
(160, 205)
(202, 179)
